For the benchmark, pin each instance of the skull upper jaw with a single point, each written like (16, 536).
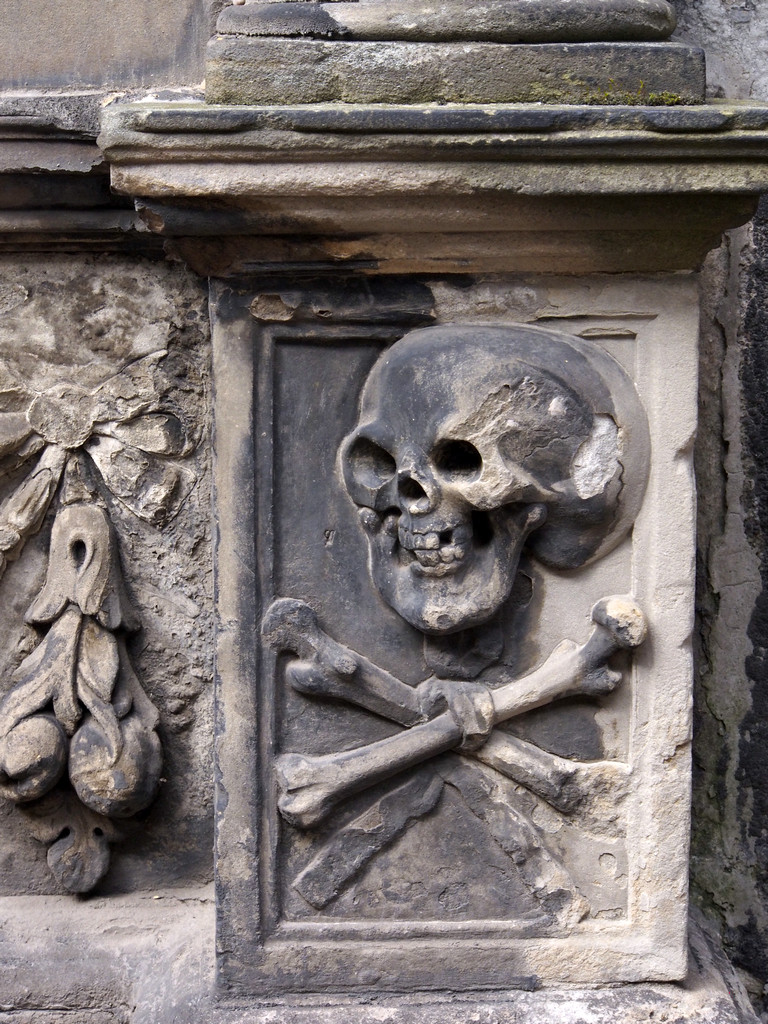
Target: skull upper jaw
(443, 599)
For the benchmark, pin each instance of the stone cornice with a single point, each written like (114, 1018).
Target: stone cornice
(471, 135)
(515, 187)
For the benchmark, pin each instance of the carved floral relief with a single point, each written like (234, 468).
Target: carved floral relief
(78, 733)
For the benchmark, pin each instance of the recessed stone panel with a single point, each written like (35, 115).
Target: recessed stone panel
(434, 776)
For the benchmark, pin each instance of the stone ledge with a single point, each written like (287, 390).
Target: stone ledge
(520, 187)
(530, 148)
(55, 184)
(148, 959)
(49, 113)
(432, 118)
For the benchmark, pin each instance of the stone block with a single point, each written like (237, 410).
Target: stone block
(251, 69)
(523, 21)
(408, 550)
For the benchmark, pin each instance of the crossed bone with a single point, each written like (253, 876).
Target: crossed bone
(312, 786)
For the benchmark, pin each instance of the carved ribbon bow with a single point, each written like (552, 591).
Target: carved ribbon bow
(118, 425)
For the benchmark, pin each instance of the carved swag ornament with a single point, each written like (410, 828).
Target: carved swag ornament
(472, 444)
(78, 734)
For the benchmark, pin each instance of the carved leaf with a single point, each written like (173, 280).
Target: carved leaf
(97, 667)
(130, 392)
(158, 433)
(83, 569)
(79, 856)
(153, 489)
(129, 692)
(47, 675)
(22, 513)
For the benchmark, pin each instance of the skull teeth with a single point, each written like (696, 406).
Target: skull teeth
(419, 541)
(428, 549)
(452, 553)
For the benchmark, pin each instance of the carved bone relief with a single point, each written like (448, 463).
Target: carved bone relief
(473, 445)
(459, 732)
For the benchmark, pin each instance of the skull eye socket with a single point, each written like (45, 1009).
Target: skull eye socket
(457, 458)
(371, 464)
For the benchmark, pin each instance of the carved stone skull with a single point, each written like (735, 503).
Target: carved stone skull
(472, 442)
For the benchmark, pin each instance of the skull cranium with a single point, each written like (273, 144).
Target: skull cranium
(472, 442)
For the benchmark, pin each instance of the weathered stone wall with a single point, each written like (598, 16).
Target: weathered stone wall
(79, 319)
(90, 44)
(729, 870)
(734, 34)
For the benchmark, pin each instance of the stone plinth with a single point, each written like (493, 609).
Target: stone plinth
(244, 69)
(491, 51)
(166, 971)
(360, 251)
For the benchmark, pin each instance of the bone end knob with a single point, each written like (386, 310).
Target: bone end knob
(304, 801)
(291, 625)
(623, 619)
(287, 623)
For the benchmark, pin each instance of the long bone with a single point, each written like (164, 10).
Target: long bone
(291, 625)
(332, 670)
(313, 785)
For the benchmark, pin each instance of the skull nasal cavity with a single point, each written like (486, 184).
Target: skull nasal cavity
(410, 489)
